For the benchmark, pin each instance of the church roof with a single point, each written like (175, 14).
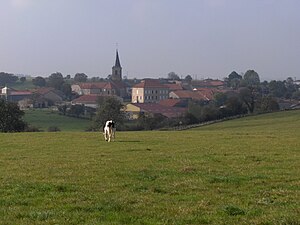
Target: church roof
(117, 64)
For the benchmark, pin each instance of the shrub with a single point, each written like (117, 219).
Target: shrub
(53, 129)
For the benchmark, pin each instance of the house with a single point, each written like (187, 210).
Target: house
(110, 88)
(207, 83)
(50, 94)
(174, 86)
(201, 94)
(183, 103)
(90, 100)
(86, 100)
(133, 110)
(13, 95)
(149, 91)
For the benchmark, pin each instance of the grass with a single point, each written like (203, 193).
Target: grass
(244, 171)
(43, 119)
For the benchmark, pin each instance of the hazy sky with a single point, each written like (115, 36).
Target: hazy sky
(204, 38)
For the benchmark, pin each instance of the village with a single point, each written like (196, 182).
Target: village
(168, 97)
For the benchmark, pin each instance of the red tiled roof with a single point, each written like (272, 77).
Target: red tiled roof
(208, 83)
(198, 94)
(92, 85)
(102, 85)
(86, 99)
(160, 109)
(150, 83)
(186, 94)
(21, 93)
(43, 91)
(169, 102)
(174, 87)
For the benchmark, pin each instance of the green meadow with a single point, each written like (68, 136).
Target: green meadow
(45, 118)
(243, 171)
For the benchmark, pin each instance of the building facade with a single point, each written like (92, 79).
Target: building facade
(149, 91)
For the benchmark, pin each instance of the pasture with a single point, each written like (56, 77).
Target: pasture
(244, 171)
(45, 118)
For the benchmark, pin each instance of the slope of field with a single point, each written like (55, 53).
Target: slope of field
(43, 119)
(244, 171)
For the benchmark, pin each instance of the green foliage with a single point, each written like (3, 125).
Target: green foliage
(7, 78)
(109, 108)
(39, 81)
(56, 80)
(76, 110)
(173, 76)
(80, 77)
(243, 171)
(267, 104)
(22, 79)
(251, 78)
(247, 96)
(11, 117)
(150, 122)
(277, 88)
(234, 80)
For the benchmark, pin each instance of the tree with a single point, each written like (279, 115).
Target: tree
(268, 104)
(248, 98)
(109, 108)
(56, 80)
(76, 110)
(234, 75)
(296, 95)
(233, 106)
(11, 117)
(67, 90)
(234, 80)
(220, 99)
(39, 81)
(7, 78)
(188, 78)
(290, 87)
(149, 122)
(251, 78)
(80, 77)
(277, 88)
(173, 76)
(23, 79)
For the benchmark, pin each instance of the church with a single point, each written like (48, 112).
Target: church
(117, 69)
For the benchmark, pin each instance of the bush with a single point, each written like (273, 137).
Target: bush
(53, 129)
(32, 129)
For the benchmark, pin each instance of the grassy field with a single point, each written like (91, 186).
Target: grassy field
(43, 119)
(245, 171)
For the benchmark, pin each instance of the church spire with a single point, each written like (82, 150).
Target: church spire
(117, 64)
(117, 69)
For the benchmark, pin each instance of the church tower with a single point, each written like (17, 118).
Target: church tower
(117, 69)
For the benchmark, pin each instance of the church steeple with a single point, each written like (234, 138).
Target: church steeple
(117, 64)
(117, 69)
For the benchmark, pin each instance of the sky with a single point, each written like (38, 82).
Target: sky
(201, 38)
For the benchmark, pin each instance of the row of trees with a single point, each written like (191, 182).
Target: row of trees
(280, 89)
